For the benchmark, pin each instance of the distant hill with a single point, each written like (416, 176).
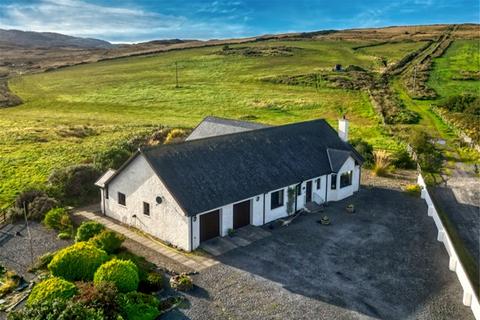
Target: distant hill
(30, 39)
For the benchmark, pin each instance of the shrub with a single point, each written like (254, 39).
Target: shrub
(138, 306)
(152, 283)
(175, 135)
(42, 262)
(58, 219)
(365, 149)
(109, 241)
(402, 160)
(429, 158)
(111, 159)
(144, 267)
(74, 183)
(123, 274)
(56, 309)
(52, 288)
(102, 296)
(77, 262)
(64, 235)
(9, 282)
(88, 230)
(413, 190)
(381, 163)
(182, 282)
(27, 197)
(40, 206)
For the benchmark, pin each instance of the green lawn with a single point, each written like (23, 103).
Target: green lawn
(119, 98)
(463, 55)
(394, 52)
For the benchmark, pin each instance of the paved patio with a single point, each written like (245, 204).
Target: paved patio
(241, 238)
(190, 261)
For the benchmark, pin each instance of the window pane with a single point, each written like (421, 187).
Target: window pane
(276, 199)
(121, 199)
(333, 184)
(318, 184)
(146, 208)
(346, 179)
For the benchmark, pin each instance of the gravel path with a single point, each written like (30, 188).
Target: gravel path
(15, 251)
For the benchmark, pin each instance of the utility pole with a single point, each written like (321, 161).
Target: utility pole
(28, 231)
(176, 74)
(414, 78)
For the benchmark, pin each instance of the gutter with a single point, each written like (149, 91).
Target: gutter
(191, 233)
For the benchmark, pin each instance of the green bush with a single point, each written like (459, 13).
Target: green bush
(77, 262)
(52, 288)
(138, 306)
(74, 183)
(109, 241)
(58, 219)
(56, 309)
(64, 235)
(144, 266)
(42, 262)
(365, 150)
(102, 296)
(111, 159)
(153, 282)
(428, 156)
(40, 206)
(88, 230)
(182, 282)
(27, 197)
(124, 274)
(401, 159)
(413, 190)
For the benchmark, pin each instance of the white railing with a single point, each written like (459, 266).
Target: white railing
(470, 299)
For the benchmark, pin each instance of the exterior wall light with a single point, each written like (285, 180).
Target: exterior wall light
(159, 200)
(257, 198)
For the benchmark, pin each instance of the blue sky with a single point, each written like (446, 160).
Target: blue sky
(141, 20)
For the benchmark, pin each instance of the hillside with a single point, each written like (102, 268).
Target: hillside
(30, 39)
(69, 114)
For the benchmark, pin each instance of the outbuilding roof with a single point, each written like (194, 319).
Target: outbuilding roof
(208, 173)
(215, 126)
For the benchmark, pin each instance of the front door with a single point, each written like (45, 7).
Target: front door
(241, 214)
(308, 194)
(209, 225)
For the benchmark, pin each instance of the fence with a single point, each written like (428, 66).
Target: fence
(470, 298)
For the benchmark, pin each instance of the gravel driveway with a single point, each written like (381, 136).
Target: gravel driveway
(381, 262)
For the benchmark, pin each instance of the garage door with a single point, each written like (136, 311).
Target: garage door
(209, 225)
(241, 214)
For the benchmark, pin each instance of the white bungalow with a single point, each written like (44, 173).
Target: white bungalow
(228, 174)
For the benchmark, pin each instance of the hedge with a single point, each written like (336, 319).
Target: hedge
(124, 274)
(88, 230)
(77, 262)
(50, 289)
(109, 241)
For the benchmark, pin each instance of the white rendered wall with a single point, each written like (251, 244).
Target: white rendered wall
(470, 299)
(140, 184)
(342, 193)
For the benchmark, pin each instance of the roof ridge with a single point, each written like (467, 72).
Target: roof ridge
(223, 136)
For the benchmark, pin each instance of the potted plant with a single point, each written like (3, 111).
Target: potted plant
(350, 208)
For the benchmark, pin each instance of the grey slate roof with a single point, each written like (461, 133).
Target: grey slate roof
(207, 173)
(105, 178)
(215, 126)
(337, 158)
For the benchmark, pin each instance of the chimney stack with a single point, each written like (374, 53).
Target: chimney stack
(343, 128)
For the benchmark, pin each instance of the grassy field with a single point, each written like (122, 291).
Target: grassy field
(462, 56)
(116, 99)
(70, 114)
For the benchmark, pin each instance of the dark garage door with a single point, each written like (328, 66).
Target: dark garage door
(241, 214)
(209, 225)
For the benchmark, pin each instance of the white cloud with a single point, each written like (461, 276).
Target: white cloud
(81, 18)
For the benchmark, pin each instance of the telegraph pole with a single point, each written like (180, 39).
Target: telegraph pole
(28, 231)
(176, 74)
